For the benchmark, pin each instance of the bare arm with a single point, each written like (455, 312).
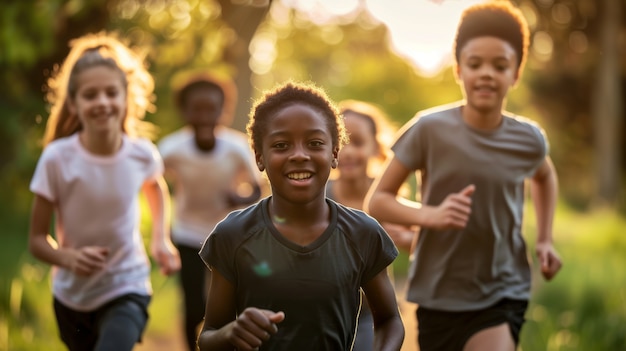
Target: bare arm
(82, 261)
(161, 245)
(222, 331)
(383, 203)
(544, 190)
(388, 326)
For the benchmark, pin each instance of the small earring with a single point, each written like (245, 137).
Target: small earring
(334, 163)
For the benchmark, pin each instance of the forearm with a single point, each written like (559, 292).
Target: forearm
(386, 207)
(544, 194)
(158, 199)
(43, 247)
(389, 335)
(212, 339)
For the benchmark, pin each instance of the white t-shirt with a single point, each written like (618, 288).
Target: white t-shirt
(96, 203)
(202, 180)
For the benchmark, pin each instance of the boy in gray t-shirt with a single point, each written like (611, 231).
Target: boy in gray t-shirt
(470, 274)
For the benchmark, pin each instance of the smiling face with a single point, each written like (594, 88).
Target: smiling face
(202, 111)
(100, 100)
(354, 157)
(487, 69)
(297, 153)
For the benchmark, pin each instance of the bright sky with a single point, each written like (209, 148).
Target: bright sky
(421, 30)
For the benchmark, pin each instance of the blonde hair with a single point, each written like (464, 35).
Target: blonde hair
(99, 49)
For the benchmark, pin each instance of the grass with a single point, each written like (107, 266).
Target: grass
(583, 308)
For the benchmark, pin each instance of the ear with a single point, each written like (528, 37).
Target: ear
(335, 162)
(259, 161)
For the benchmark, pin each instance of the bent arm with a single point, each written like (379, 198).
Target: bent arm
(388, 326)
(163, 251)
(382, 201)
(544, 192)
(222, 330)
(544, 189)
(40, 243)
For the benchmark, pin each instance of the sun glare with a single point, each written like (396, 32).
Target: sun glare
(421, 30)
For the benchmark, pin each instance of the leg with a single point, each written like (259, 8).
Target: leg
(497, 338)
(121, 323)
(192, 278)
(77, 329)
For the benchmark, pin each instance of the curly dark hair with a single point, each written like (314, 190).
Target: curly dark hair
(499, 19)
(288, 94)
(204, 80)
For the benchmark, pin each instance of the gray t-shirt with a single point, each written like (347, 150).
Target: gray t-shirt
(473, 268)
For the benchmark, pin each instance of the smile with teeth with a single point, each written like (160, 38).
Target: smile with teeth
(299, 176)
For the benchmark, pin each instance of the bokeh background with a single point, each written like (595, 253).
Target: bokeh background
(393, 53)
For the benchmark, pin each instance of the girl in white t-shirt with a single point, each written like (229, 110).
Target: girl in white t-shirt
(88, 179)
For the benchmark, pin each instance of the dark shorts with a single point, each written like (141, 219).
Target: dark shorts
(118, 325)
(449, 331)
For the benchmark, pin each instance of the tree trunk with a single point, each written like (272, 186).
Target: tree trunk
(608, 109)
(244, 20)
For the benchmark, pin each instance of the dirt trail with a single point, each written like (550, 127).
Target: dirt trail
(174, 342)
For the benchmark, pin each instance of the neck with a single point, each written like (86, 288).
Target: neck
(282, 212)
(352, 192)
(484, 120)
(101, 144)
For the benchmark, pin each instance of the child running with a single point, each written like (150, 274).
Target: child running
(207, 163)
(470, 275)
(287, 272)
(366, 126)
(88, 178)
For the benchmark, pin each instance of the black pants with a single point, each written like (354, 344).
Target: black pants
(194, 279)
(116, 326)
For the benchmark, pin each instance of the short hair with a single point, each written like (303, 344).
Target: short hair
(494, 18)
(211, 81)
(286, 95)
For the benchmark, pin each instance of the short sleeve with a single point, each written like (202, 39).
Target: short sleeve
(46, 175)
(382, 252)
(217, 253)
(155, 166)
(408, 145)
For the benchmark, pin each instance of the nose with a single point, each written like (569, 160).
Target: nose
(299, 153)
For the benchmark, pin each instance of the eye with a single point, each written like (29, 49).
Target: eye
(112, 93)
(281, 145)
(316, 143)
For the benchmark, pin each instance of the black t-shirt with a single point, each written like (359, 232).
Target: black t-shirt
(316, 286)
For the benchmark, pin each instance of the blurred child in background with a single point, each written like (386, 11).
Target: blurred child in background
(88, 178)
(207, 163)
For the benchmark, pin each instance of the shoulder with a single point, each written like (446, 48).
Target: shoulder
(353, 221)
(57, 148)
(241, 223)
(173, 140)
(435, 116)
(525, 125)
(142, 149)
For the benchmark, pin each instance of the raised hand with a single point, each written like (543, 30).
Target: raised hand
(453, 212)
